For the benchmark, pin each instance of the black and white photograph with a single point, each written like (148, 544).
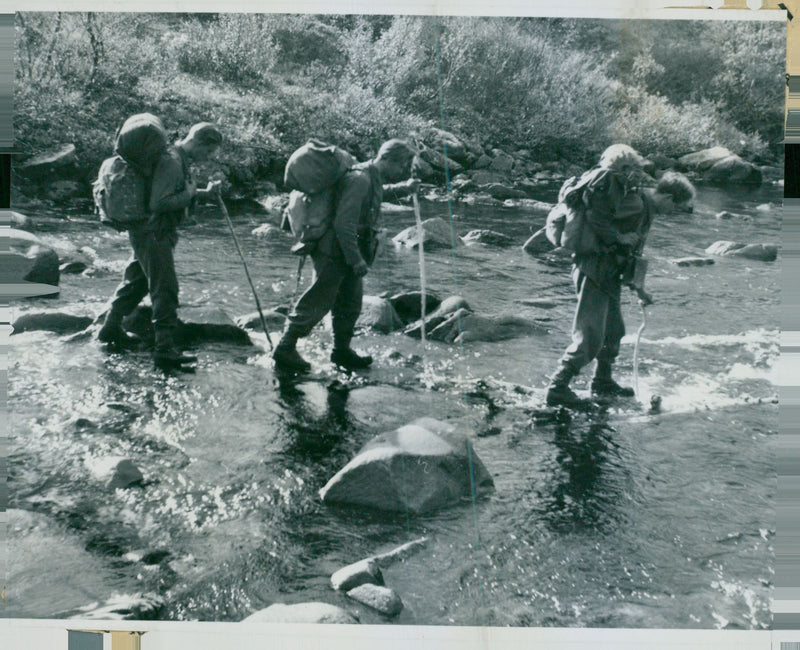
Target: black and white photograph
(395, 320)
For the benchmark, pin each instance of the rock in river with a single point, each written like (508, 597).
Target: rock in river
(463, 326)
(408, 305)
(28, 259)
(382, 599)
(52, 321)
(487, 237)
(436, 234)
(357, 574)
(197, 325)
(760, 252)
(417, 468)
(379, 315)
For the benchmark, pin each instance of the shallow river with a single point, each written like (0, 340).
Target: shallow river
(625, 519)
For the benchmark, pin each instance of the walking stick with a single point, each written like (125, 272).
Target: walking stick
(246, 271)
(420, 234)
(636, 351)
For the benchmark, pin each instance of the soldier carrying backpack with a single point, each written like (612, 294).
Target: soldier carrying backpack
(604, 218)
(146, 188)
(339, 210)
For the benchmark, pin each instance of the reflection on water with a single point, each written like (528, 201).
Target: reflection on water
(618, 519)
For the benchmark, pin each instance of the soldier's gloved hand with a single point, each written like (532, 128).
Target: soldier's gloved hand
(360, 269)
(213, 188)
(644, 297)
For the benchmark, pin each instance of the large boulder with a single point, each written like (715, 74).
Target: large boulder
(57, 322)
(29, 260)
(436, 234)
(408, 305)
(197, 325)
(439, 162)
(379, 315)
(456, 149)
(464, 326)
(502, 163)
(733, 171)
(487, 237)
(54, 162)
(701, 161)
(417, 468)
(302, 613)
(760, 252)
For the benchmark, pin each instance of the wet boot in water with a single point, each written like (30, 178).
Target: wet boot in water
(114, 336)
(560, 394)
(167, 356)
(604, 386)
(287, 358)
(349, 359)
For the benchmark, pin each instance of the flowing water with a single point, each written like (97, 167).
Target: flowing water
(624, 519)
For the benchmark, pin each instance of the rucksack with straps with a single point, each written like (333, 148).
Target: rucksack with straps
(565, 222)
(122, 189)
(312, 173)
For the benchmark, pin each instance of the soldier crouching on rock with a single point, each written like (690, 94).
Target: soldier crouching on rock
(342, 257)
(618, 216)
(152, 268)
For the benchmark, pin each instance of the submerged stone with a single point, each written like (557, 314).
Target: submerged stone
(693, 261)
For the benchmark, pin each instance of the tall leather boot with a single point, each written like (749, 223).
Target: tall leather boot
(286, 356)
(559, 393)
(166, 354)
(604, 386)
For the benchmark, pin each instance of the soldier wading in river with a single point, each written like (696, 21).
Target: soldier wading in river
(152, 267)
(342, 257)
(616, 222)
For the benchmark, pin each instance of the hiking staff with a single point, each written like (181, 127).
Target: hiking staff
(642, 304)
(246, 271)
(420, 234)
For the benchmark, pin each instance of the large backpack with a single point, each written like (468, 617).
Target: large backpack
(312, 173)
(122, 189)
(565, 222)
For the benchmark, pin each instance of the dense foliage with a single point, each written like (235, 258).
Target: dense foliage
(559, 88)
